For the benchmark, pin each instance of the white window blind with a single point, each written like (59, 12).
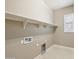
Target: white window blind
(69, 23)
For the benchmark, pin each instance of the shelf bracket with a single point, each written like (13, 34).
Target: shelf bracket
(24, 24)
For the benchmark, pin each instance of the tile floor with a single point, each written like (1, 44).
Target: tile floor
(57, 52)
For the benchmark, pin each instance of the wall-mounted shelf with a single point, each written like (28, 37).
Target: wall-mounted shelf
(26, 21)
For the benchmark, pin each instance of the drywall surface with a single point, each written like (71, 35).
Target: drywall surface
(15, 33)
(15, 29)
(61, 37)
(32, 9)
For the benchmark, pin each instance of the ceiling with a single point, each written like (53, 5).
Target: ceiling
(57, 4)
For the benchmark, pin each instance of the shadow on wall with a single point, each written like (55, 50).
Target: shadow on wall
(54, 29)
(14, 29)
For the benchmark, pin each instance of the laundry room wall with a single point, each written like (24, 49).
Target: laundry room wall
(61, 37)
(15, 33)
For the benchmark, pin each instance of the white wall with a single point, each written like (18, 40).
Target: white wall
(34, 9)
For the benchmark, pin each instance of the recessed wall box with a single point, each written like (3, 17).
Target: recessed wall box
(28, 40)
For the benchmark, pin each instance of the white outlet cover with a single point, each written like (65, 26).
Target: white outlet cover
(37, 44)
(22, 42)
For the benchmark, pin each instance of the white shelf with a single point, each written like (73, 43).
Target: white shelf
(26, 20)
